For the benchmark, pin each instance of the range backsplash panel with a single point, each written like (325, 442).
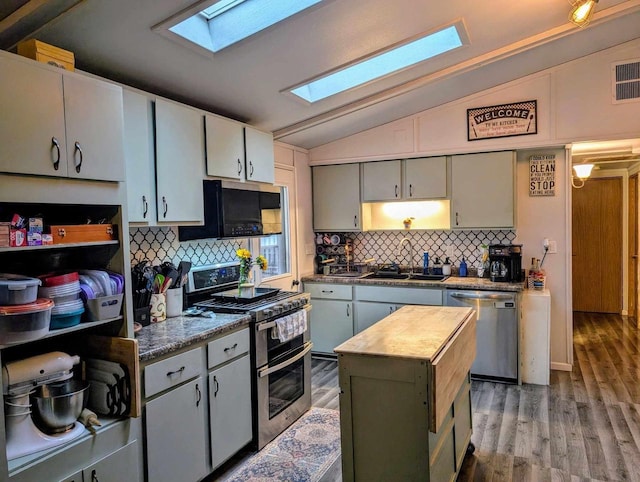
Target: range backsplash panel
(383, 245)
(157, 245)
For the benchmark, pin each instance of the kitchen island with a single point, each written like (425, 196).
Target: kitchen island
(405, 407)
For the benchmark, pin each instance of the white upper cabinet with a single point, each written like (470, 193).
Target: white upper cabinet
(482, 190)
(238, 152)
(336, 198)
(179, 163)
(93, 115)
(259, 155)
(425, 178)
(381, 181)
(58, 124)
(139, 157)
(225, 148)
(409, 179)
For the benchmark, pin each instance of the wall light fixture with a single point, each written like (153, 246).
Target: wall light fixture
(582, 171)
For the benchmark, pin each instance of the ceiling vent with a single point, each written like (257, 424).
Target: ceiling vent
(625, 82)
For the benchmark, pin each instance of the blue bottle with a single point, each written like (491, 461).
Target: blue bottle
(425, 263)
(463, 268)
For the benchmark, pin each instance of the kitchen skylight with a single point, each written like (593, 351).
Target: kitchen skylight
(385, 63)
(229, 21)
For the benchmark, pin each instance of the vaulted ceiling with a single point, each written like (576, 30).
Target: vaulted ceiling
(507, 40)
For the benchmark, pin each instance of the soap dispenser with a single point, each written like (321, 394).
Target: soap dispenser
(446, 267)
(463, 268)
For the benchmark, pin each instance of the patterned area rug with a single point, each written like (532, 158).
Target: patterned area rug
(302, 453)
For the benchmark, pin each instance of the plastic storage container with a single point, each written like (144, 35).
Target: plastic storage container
(104, 308)
(21, 323)
(16, 289)
(61, 293)
(65, 315)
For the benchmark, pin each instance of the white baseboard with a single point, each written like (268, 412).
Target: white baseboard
(565, 367)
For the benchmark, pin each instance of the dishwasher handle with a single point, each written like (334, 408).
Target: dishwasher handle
(482, 296)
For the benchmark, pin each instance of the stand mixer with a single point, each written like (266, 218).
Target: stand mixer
(19, 380)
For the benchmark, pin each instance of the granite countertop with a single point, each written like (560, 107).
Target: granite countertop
(414, 332)
(170, 335)
(455, 282)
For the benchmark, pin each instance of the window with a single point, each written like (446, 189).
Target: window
(382, 64)
(275, 247)
(229, 21)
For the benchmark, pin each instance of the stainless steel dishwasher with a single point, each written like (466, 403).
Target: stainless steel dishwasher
(497, 332)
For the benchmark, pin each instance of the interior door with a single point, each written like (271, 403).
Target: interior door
(280, 249)
(633, 247)
(597, 246)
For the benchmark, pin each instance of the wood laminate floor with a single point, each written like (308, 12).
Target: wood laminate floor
(584, 426)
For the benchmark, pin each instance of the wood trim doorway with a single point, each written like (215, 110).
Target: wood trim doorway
(633, 247)
(597, 246)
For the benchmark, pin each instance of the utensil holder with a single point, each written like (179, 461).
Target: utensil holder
(174, 302)
(158, 305)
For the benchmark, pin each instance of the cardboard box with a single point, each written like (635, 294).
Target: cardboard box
(47, 239)
(35, 225)
(83, 233)
(34, 238)
(42, 52)
(17, 237)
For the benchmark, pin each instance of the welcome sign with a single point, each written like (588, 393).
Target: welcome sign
(505, 120)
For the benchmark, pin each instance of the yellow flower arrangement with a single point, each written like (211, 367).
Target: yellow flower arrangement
(244, 255)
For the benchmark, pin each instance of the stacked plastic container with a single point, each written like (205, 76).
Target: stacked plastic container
(102, 292)
(23, 316)
(64, 290)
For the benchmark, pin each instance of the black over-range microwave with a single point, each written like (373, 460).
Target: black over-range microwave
(234, 210)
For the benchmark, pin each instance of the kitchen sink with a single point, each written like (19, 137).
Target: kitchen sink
(349, 274)
(415, 276)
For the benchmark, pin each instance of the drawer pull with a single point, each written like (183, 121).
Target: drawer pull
(176, 372)
(327, 291)
(235, 345)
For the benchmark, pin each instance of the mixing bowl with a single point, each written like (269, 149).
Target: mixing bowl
(57, 406)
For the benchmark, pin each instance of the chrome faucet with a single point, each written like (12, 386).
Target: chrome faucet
(408, 241)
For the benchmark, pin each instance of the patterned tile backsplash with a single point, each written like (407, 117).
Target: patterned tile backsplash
(161, 244)
(383, 245)
(157, 245)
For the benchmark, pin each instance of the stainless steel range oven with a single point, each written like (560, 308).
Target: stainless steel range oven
(281, 362)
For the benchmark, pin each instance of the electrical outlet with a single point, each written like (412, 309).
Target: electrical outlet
(553, 247)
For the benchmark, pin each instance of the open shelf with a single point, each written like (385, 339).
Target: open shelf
(59, 246)
(63, 331)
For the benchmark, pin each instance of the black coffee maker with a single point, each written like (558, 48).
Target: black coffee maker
(505, 262)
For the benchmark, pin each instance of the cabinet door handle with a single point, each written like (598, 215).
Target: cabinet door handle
(79, 149)
(94, 476)
(239, 167)
(165, 207)
(396, 190)
(229, 348)
(216, 385)
(199, 394)
(355, 221)
(145, 206)
(348, 311)
(456, 218)
(180, 370)
(56, 144)
(250, 169)
(410, 190)
(390, 309)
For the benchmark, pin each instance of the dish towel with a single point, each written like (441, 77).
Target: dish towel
(290, 326)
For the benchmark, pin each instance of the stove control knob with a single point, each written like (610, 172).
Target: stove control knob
(277, 309)
(268, 313)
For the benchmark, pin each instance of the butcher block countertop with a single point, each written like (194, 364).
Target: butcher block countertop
(412, 332)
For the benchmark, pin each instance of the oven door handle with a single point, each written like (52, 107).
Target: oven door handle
(272, 324)
(263, 372)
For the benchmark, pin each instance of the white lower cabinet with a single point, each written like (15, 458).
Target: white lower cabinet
(175, 425)
(201, 414)
(120, 465)
(373, 303)
(331, 319)
(368, 313)
(230, 409)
